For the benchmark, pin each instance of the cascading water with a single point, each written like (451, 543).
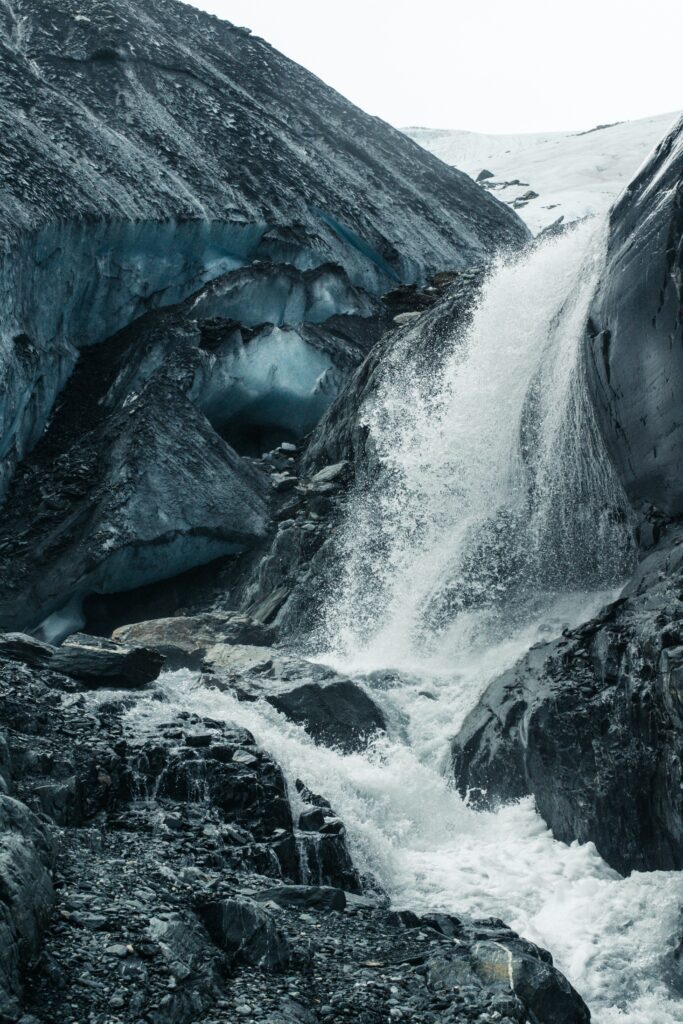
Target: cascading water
(489, 486)
(493, 521)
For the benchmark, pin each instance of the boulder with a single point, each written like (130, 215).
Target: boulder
(591, 724)
(90, 660)
(247, 932)
(304, 897)
(185, 639)
(339, 714)
(334, 710)
(519, 977)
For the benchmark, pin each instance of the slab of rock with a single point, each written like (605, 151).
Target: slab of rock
(185, 639)
(305, 897)
(90, 660)
(247, 932)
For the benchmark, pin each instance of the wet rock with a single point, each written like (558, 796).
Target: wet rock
(305, 897)
(311, 819)
(591, 725)
(334, 710)
(247, 932)
(26, 896)
(90, 660)
(184, 640)
(339, 714)
(634, 358)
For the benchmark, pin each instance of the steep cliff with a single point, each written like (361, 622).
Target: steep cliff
(635, 336)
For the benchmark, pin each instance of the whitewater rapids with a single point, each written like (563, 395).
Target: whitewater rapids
(494, 522)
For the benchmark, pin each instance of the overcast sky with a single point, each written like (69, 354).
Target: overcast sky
(485, 65)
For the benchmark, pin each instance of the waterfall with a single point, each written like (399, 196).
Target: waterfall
(490, 490)
(494, 521)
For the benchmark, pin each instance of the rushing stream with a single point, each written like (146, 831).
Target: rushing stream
(494, 521)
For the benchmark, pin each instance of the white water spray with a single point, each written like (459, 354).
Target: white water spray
(490, 489)
(493, 525)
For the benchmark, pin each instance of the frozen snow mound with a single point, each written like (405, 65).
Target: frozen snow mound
(548, 176)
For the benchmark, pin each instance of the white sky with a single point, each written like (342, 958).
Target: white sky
(485, 65)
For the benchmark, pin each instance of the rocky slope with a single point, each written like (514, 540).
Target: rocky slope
(187, 890)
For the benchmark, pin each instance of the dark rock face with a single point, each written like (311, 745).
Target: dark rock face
(339, 714)
(634, 351)
(591, 725)
(88, 659)
(247, 932)
(26, 896)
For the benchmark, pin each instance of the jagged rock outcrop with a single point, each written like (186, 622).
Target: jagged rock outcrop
(90, 660)
(421, 343)
(591, 724)
(634, 349)
(149, 147)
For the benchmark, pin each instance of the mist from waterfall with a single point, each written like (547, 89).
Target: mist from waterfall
(490, 491)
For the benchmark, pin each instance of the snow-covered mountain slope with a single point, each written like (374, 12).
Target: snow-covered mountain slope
(573, 174)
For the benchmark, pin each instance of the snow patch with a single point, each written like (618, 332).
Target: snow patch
(576, 174)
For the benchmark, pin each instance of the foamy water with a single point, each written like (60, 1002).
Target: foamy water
(614, 938)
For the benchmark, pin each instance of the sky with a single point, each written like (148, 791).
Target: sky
(482, 65)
